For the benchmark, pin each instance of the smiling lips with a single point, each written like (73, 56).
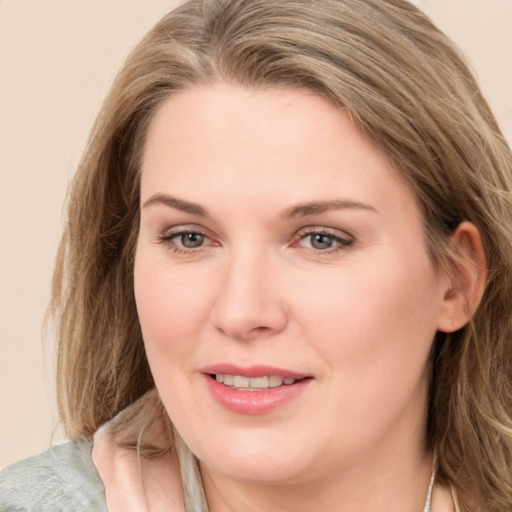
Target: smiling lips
(254, 390)
(240, 382)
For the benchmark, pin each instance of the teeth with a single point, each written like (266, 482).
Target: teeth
(275, 381)
(259, 382)
(253, 383)
(241, 382)
(228, 380)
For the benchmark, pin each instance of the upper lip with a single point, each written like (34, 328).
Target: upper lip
(252, 371)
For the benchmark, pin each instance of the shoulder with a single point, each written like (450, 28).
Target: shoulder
(62, 478)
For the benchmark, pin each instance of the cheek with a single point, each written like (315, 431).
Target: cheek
(374, 329)
(382, 312)
(171, 307)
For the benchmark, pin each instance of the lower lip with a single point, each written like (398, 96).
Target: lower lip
(254, 402)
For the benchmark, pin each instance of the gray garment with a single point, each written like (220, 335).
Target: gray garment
(61, 479)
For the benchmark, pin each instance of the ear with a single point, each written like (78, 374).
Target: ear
(465, 283)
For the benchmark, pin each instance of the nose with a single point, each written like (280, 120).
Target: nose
(249, 303)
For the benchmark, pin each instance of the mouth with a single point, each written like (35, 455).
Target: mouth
(254, 390)
(259, 383)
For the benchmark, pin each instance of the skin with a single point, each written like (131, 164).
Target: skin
(358, 317)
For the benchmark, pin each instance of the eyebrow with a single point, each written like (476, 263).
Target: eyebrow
(318, 207)
(300, 210)
(178, 204)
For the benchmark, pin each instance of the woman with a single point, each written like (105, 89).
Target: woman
(285, 282)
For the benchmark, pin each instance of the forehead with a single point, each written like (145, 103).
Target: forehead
(292, 144)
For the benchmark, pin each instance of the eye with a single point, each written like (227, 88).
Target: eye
(185, 240)
(323, 241)
(190, 240)
(320, 241)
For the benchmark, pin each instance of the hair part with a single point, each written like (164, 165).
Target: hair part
(406, 87)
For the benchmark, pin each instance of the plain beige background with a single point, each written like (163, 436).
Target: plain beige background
(57, 60)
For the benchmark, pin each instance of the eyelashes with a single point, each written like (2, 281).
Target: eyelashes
(319, 240)
(323, 240)
(186, 241)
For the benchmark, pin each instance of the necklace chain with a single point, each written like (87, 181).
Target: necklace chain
(428, 502)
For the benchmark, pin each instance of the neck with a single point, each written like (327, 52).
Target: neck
(386, 482)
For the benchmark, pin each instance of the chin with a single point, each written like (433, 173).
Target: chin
(258, 459)
(261, 471)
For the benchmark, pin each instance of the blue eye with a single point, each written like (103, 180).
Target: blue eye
(323, 241)
(185, 240)
(320, 241)
(190, 240)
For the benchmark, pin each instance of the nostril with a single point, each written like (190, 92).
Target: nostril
(260, 330)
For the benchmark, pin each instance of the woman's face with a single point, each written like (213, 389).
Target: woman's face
(280, 253)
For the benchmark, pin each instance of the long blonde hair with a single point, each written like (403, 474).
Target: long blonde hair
(407, 87)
